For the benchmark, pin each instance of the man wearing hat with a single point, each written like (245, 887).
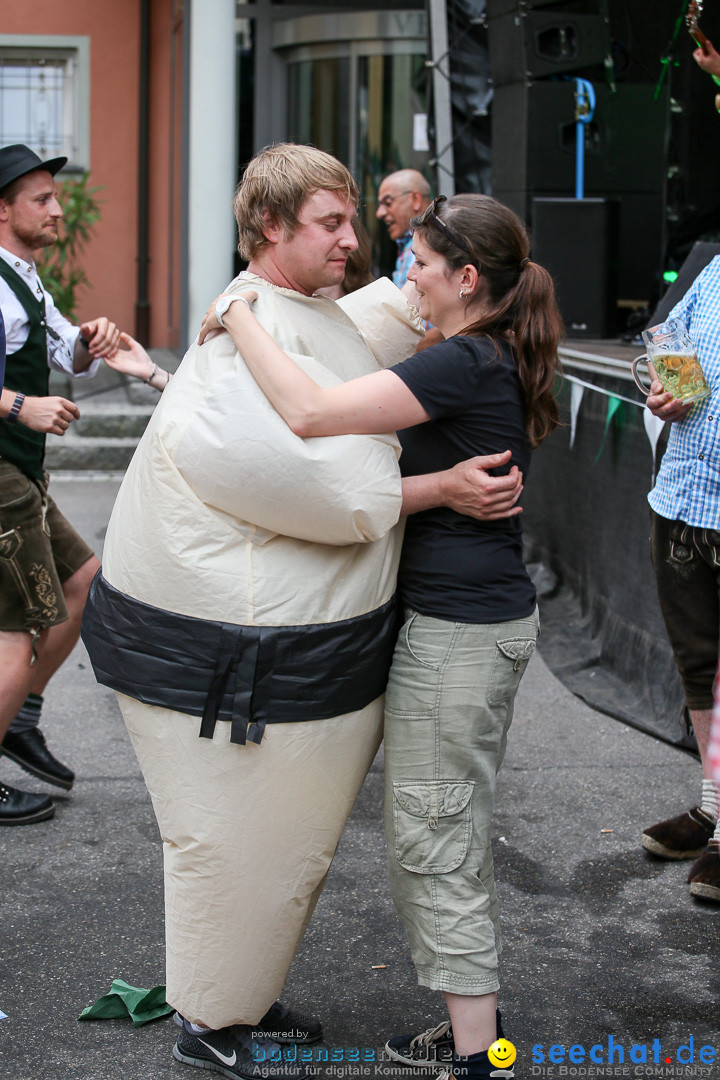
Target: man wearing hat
(45, 566)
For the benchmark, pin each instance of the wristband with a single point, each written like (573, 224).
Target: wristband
(151, 376)
(223, 304)
(12, 417)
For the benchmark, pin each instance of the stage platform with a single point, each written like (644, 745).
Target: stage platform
(609, 356)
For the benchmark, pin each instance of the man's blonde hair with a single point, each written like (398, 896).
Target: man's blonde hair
(276, 185)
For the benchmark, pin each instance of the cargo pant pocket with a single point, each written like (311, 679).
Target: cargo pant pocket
(433, 824)
(511, 659)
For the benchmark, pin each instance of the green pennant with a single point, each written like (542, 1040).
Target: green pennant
(613, 405)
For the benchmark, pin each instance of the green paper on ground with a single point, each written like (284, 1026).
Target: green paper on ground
(140, 1005)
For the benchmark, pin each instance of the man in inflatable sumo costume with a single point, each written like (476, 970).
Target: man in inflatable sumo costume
(248, 579)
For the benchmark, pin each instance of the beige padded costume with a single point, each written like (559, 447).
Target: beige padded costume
(224, 514)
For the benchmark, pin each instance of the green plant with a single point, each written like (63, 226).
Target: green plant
(60, 267)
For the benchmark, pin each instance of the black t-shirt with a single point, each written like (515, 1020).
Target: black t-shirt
(452, 566)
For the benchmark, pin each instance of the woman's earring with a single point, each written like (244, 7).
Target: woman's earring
(463, 294)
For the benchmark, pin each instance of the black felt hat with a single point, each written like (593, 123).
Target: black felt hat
(17, 160)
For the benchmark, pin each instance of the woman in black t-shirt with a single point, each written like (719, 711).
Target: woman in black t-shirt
(471, 619)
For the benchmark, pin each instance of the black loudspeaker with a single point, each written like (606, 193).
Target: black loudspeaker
(494, 9)
(534, 134)
(576, 240)
(701, 254)
(528, 44)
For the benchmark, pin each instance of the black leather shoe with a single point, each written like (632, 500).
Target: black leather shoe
(23, 808)
(28, 749)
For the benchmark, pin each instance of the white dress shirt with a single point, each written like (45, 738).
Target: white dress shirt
(17, 324)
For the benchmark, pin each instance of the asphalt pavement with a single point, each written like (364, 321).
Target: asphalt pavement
(604, 949)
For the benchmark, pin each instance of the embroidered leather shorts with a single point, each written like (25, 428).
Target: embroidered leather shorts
(39, 550)
(686, 560)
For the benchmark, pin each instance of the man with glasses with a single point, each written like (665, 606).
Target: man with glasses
(45, 566)
(404, 195)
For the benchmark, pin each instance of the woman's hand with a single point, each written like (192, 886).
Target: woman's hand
(210, 320)
(131, 359)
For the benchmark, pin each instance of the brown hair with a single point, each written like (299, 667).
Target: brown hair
(276, 185)
(522, 295)
(10, 192)
(357, 268)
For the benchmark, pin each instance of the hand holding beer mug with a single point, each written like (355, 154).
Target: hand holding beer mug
(672, 354)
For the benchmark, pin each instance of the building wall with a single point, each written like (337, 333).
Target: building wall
(110, 258)
(113, 29)
(166, 172)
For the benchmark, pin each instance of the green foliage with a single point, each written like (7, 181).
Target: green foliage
(60, 268)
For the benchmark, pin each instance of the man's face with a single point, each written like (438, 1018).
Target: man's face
(31, 219)
(396, 206)
(315, 256)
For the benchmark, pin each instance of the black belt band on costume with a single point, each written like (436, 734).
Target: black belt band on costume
(248, 675)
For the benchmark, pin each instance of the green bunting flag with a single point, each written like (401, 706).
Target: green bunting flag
(613, 405)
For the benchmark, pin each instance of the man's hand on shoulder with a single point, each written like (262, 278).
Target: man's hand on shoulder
(49, 415)
(662, 404)
(470, 490)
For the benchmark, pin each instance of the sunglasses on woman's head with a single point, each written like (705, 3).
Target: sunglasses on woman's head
(429, 217)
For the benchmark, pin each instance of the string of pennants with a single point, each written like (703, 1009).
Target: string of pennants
(653, 425)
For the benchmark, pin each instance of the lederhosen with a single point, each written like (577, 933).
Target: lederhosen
(32, 584)
(26, 370)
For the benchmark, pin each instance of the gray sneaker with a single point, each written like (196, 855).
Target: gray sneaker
(430, 1048)
(234, 1052)
(283, 1025)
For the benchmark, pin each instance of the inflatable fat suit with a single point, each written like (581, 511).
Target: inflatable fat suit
(245, 615)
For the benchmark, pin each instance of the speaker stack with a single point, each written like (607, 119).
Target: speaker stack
(609, 251)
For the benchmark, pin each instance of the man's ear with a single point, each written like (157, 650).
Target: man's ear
(3, 210)
(272, 229)
(418, 203)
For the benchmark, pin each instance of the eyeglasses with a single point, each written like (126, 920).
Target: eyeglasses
(390, 199)
(429, 217)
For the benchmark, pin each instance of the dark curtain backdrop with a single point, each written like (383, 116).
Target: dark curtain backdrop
(586, 540)
(586, 515)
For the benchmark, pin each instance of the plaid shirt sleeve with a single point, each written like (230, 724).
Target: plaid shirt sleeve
(688, 482)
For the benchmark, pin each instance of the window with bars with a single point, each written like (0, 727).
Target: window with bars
(44, 98)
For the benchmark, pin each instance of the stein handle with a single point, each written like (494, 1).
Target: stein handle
(641, 385)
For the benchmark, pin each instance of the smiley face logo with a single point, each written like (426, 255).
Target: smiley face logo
(502, 1053)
